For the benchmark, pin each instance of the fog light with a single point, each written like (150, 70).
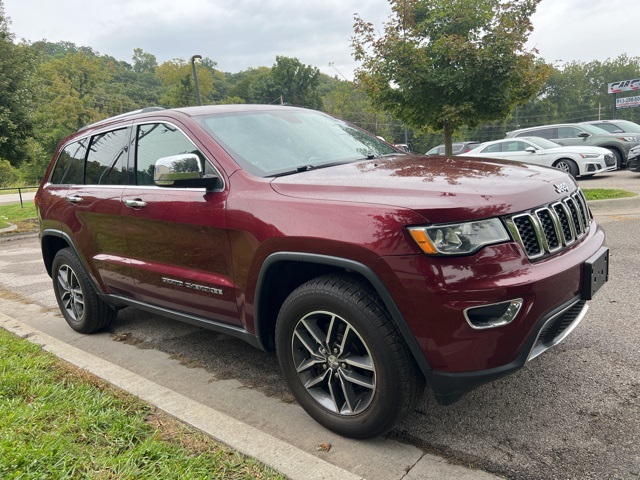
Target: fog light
(494, 315)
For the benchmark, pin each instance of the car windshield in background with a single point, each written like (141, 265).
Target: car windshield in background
(542, 142)
(593, 130)
(280, 141)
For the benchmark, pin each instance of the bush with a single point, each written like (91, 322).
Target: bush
(8, 174)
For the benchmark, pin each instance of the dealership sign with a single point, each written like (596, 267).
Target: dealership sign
(625, 86)
(627, 102)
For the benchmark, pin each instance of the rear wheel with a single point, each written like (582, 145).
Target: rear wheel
(80, 305)
(568, 166)
(344, 359)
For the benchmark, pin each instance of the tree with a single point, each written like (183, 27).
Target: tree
(177, 77)
(289, 80)
(143, 61)
(16, 65)
(447, 63)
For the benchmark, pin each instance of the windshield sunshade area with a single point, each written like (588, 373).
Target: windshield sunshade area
(281, 141)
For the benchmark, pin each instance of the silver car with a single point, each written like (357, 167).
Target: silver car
(576, 160)
(585, 135)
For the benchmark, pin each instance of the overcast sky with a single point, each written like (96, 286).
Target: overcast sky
(239, 34)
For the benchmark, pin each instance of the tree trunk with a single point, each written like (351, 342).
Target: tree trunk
(448, 149)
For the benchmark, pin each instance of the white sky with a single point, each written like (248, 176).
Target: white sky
(239, 34)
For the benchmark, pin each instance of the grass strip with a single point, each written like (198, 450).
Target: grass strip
(57, 421)
(606, 193)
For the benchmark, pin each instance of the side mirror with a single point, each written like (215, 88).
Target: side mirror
(182, 171)
(584, 135)
(530, 150)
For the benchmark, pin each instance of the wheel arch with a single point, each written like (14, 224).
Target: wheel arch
(51, 242)
(299, 268)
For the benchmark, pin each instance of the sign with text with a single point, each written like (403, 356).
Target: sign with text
(625, 86)
(628, 102)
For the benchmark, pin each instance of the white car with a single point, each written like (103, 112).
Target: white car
(576, 160)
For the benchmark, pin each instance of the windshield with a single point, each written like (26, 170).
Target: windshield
(282, 141)
(593, 130)
(543, 142)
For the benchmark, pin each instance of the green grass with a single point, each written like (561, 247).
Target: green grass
(606, 193)
(13, 214)
(60, 422)
(15, 190)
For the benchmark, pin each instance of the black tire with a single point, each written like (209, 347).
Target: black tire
(618, 156)
(568, 166)
(80, 305)
(344, 359)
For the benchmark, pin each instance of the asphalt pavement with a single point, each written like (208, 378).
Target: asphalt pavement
(252, 413)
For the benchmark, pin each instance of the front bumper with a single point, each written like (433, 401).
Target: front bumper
(458, 357)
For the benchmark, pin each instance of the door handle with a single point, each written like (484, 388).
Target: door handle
(137, 203)
(73, 199)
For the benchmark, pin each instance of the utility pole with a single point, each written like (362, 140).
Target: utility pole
(195, 76)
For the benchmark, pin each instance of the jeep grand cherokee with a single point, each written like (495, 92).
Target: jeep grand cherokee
(369, 271)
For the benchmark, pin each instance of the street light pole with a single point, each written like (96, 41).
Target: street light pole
(195, 75)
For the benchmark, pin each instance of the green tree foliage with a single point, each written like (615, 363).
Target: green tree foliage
(447, 63)
(289, 81)
(16, 64)
(177, 78)
(69, 89)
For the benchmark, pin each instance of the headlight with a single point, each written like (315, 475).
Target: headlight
(629, 139)
(459, 238)
(589, 155)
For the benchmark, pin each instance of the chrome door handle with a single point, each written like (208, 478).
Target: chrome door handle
(135, 203)
(73, 199)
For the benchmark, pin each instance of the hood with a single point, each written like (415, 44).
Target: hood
(442, 189)
(578, 149)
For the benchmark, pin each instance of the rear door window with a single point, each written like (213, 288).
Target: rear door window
(107, 159)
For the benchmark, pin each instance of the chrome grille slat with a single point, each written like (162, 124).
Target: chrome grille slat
(551, 228)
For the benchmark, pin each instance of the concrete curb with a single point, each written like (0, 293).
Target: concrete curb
(293, 462)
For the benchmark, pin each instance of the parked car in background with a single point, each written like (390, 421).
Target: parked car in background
(457, 147)
(575, 160)
(583, 134)
(633, 163)
(616, 126)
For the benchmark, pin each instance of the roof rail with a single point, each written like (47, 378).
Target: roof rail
(122, 115)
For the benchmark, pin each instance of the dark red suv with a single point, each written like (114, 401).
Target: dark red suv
(368, 270)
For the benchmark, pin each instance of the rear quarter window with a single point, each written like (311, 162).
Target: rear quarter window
(69, 169)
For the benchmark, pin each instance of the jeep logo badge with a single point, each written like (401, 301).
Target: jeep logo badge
(561, 187)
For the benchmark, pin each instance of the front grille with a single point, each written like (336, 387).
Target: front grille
(609, 160)
(551, 228)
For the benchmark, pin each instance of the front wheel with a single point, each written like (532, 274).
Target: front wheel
(80, 305)
(567, 166)
(618, 156)
(344, 359)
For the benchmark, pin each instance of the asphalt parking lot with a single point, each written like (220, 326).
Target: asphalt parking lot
(572, 413)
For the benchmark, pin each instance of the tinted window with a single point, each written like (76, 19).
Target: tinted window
(542, 132)
(514, 147)
(107, 160)
(496, 147)
(70, 165)
(156, 141)
(568, 132)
